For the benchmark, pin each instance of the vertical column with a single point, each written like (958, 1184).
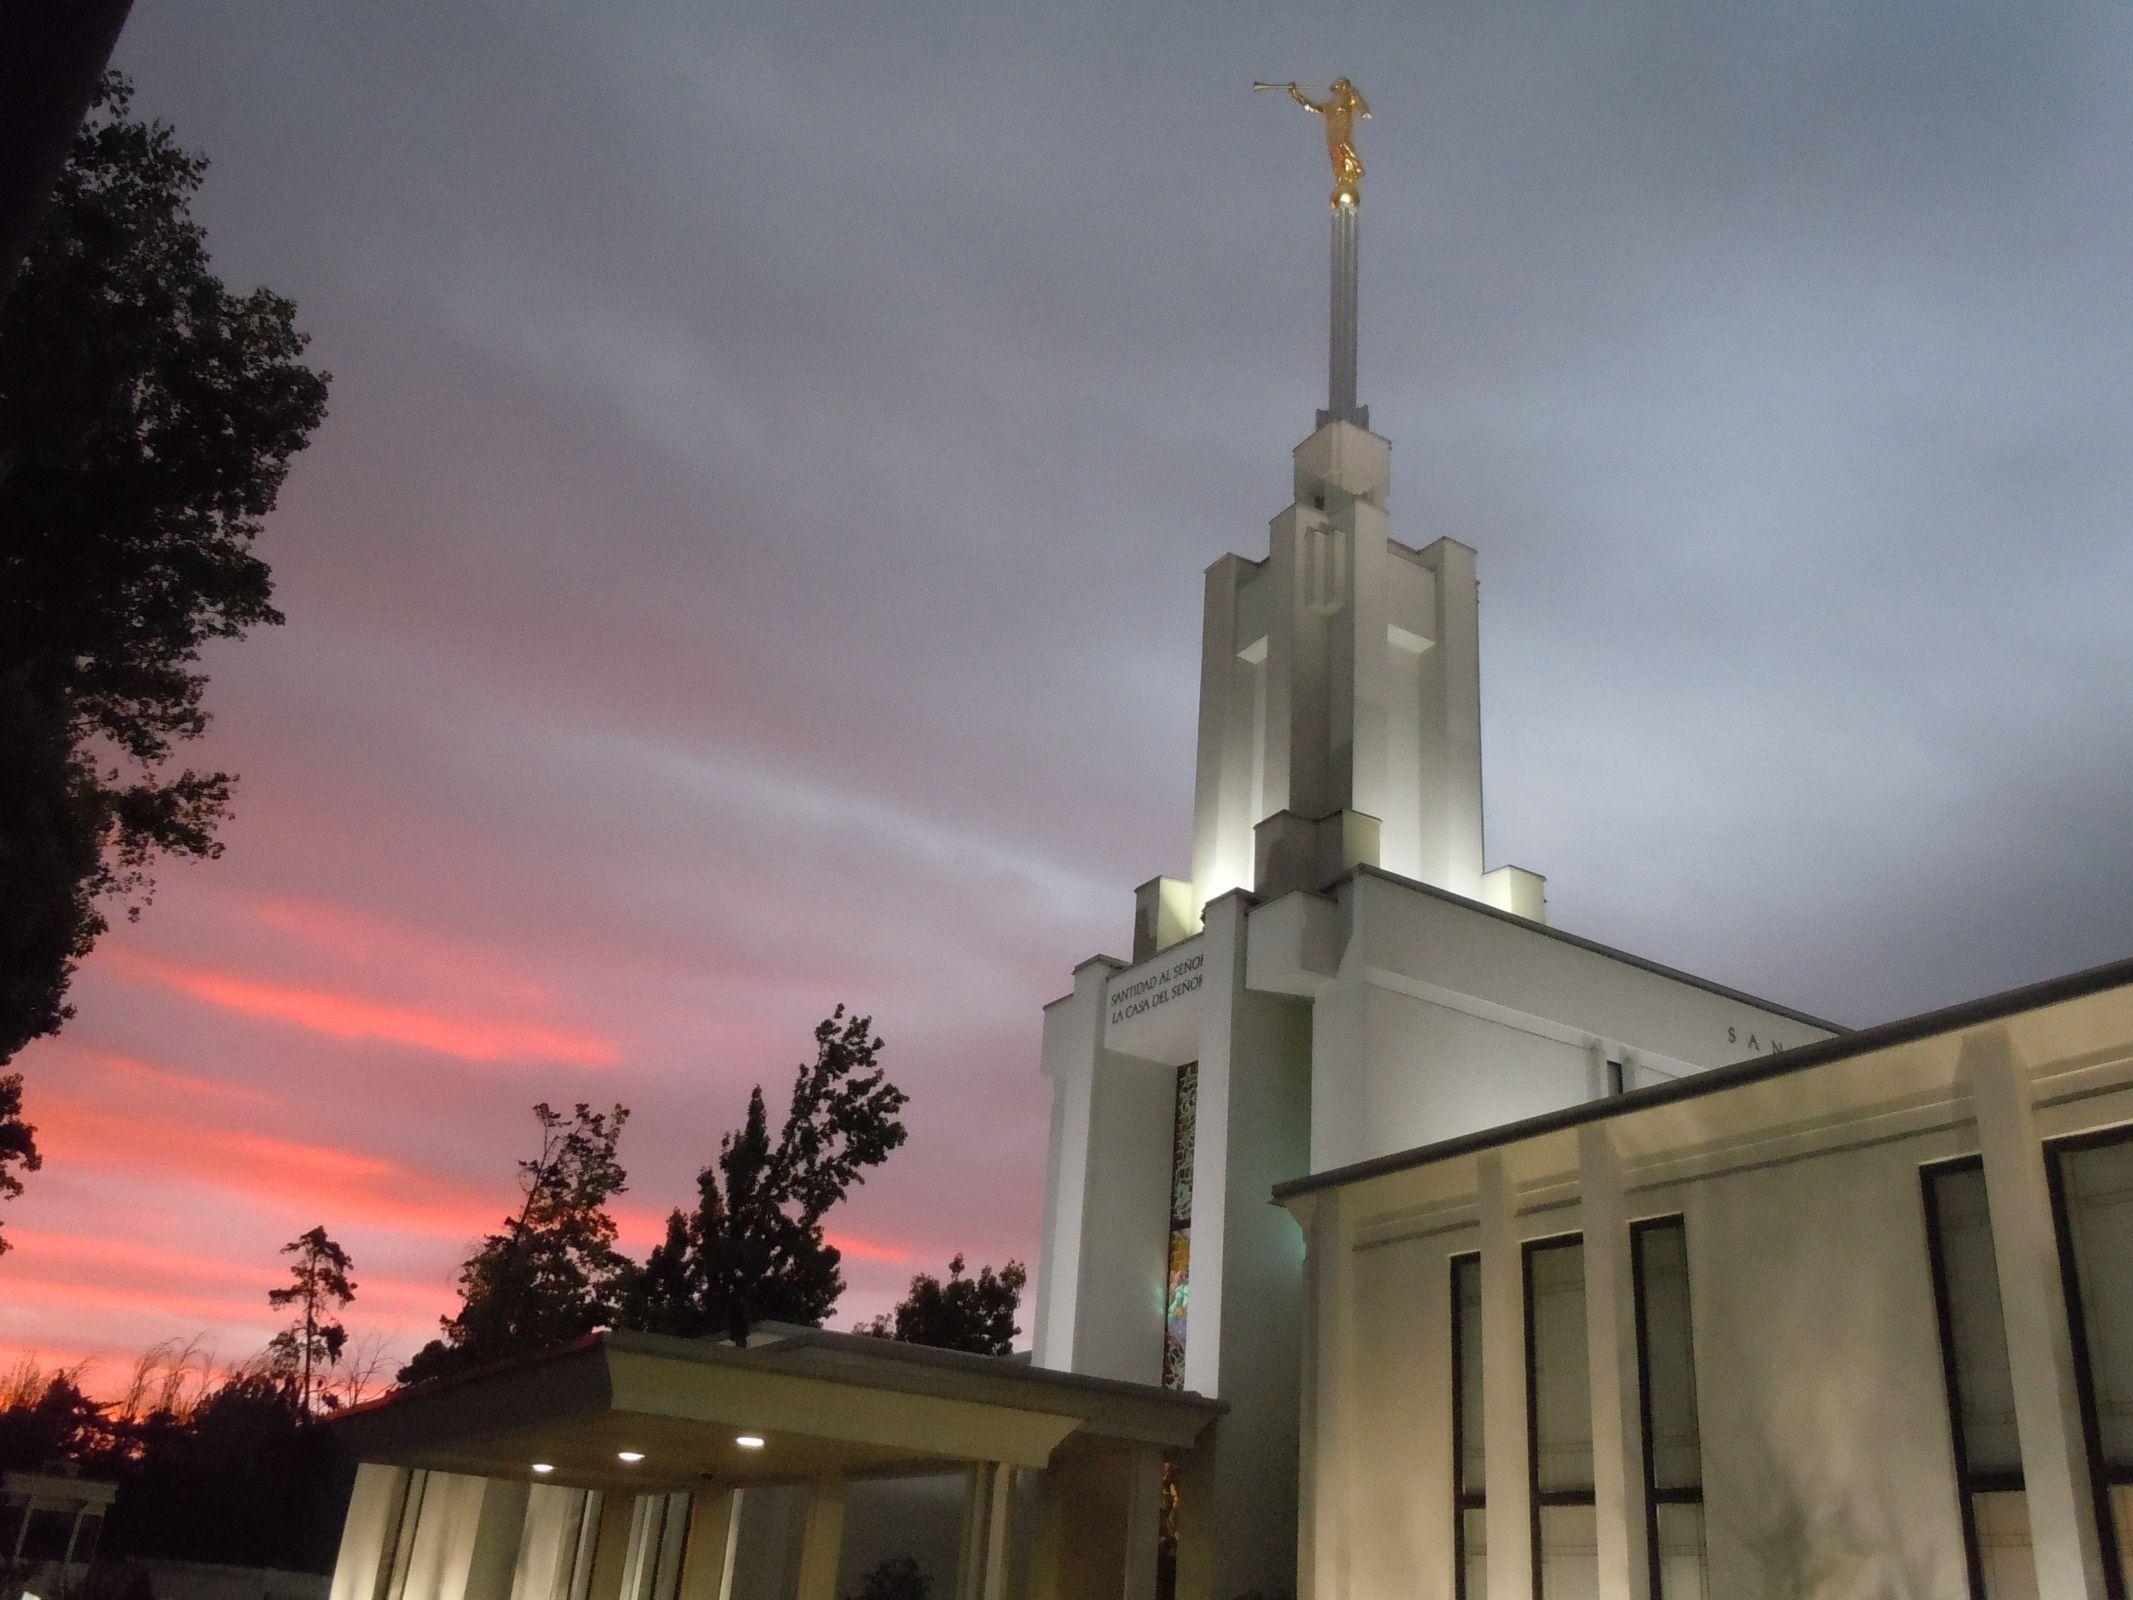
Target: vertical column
(822, 1542)
(1245, 1343)
(1227, 767)
(2040, 1346)
(1144, 1512)
(492, 1555)
(970, 1553)
(714, 1534)
(611, 1546)
(368, 1532)
(999, 1515)
(1449, 725)
(1503, 1387)
(1322, 1556)
(1611, 1340)
(1107, 1206)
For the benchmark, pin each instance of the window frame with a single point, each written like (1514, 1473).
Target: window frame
(1654, 1496)
(1538, 1498)
(1462, 1500)
(1968, 1485)
(2101, 1478)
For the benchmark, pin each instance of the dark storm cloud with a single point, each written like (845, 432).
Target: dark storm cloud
(753, 558)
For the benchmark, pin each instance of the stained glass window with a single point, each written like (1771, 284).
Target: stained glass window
(1178, 1279)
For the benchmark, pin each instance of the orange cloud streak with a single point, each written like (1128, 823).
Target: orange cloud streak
(347, 1016)
(310, 1179)
(87, 1262)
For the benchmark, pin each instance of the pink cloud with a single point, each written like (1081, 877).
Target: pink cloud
(309, 1181)
(468, 1037)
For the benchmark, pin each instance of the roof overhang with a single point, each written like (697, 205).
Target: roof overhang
(2073, 1033)
(822, 1402)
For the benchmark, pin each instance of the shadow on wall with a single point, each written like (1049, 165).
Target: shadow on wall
(1827, 1467)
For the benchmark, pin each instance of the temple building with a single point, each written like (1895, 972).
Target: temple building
(1397, 1245)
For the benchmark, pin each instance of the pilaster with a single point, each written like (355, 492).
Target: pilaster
(2040, 1346)
(822, 1541)
(1611, 1342)
(1328, 1378)
(1503, 1387)
(1244, 1341)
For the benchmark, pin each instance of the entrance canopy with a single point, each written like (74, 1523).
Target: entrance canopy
(820, 1403)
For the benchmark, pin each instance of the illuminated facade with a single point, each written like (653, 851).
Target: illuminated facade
(1855, 1320)
(1587, 1277)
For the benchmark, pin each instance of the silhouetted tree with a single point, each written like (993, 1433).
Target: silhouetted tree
(149, 416)
(240, 1479)
(209, 1468)
(319, 1287)
(553, 1274)
(753, 1250)
(18, 1143)
(45, 1417)
(974, 1314)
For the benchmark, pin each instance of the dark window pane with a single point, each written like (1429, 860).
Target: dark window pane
(1562, 1376)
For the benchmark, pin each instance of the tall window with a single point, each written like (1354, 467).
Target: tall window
(2092, 1199)
(1470, 1534)
(1673, 1443)
(1559, 1419)
(1980, 1383)
(1177, 1276)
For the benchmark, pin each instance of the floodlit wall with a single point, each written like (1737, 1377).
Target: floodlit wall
(1442, 1018)
(1823, 1417)
(1828, 1466)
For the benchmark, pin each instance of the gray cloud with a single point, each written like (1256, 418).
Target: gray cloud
(774, 452)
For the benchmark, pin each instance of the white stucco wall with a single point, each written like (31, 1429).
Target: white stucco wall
(1454, 1018)
(1828, 1467)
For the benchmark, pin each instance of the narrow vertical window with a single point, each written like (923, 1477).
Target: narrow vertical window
(2092, 1201)
(1617, 1078)
(1979, 1381)
(1673, 1446)
(1559, 1419)
(1470, 1533)
(1177, 1276)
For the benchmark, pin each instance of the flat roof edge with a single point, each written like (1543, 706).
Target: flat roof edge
(1864, 1041)
(1658, 968)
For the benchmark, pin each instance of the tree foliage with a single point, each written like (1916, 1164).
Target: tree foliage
(210, 1466)
(958, 1313)
(753, 1250)
(18, 1142)
(147, 420)
(238, 1479)
(45, 1417)
(318, 1288)
(553, 1273)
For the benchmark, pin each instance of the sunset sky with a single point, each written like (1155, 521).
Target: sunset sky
(753, 558)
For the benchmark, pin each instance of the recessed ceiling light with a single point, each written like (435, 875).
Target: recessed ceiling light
(631, 1456)
(543, 1466)
(750, 1441)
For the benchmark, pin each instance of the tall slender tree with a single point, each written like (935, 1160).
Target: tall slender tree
(754, 1248)
(319, 1288)
(553, 1273)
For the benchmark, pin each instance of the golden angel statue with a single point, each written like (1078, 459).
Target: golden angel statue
(1342, 105)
